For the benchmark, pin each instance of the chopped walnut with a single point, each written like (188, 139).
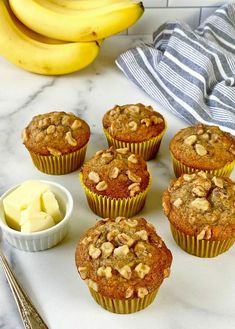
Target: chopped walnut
(119, 219)
(200, 131)
(190, 140)
(94, 252)
(142, 292)
(83, 272)
(131, 222)
(133, 125)
(86, 240)
(188, 178)
(156, 120)
(105, 271)
(200, 150)
(121, 251)
(123, 238)
(101, 186)
(112, 234)
(143, 235)
(146, 121)
(125, 271)
(200, 204)
(204, 234)
(92, 284)
(132, 158)
(123, 150)
(133, 177)
(142, 270)
(178, 202)
(129, 292)
(107, 249)
(205, 136)
(50, 129)
(133, 108)
(94, 177)
(218, 182)
(134, 188)
(69, 138)
(99, 152)
(76, 124)
(53, 151)
(114, 172)
(199, 191)
(140, 249)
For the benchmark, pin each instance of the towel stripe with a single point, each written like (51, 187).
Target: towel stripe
(190, 73)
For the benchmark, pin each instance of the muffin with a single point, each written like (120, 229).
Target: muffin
(201, 211)
(203, 147)
(136, 127)
(116, 182)
(123, 262)
(57, 142)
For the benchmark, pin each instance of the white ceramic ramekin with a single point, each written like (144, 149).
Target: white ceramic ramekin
(42, 240)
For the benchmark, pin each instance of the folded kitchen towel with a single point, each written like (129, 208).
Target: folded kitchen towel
(191, 73)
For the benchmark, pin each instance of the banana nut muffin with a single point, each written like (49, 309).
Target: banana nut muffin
(135, 126)
(56, 134)
(115, 182)
(203, 147)
(123, 261)
(201, 210)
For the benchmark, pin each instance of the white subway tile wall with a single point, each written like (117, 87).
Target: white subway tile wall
(192, 12)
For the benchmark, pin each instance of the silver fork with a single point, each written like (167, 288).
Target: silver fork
(29, 315)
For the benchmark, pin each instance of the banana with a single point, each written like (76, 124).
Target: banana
(85, 4)
(38, 54)
(69, 24)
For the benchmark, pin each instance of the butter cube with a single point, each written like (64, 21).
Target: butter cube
(39, 221)
(27, 193)
(51, 206)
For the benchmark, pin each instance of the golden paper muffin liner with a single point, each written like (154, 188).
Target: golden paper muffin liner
(123, 306)
(104, 206)
(60, 164)
(200, 248)
(180, 169)
(147, 149)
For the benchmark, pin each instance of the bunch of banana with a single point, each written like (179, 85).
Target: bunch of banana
(65, 20)
(40, 39)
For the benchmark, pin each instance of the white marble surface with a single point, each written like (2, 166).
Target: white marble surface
(200, 293)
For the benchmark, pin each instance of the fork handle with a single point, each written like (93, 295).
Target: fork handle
(29, 315)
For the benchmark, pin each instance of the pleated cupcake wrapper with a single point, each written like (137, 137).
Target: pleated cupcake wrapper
(180, 169)
(60, 164)
(123, 306)
(104, 206)
(200, 248)
(147, 149)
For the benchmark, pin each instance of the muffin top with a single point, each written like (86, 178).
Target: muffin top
(116, 173)
(123, 258)
(133, 122)
(203, 147)
(55, 133)
(201, 205)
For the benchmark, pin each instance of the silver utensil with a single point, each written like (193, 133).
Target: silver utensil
(30, 317)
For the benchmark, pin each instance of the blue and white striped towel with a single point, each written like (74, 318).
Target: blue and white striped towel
(191, 73)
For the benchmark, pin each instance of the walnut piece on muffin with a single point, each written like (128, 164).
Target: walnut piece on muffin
(203, 147)
(123, 258)
(116, 173)
(201, 206)
(55, 133)
(133, 123)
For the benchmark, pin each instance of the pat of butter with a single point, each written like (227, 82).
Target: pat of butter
(37, 221)
(51, 206)
(28, 193)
